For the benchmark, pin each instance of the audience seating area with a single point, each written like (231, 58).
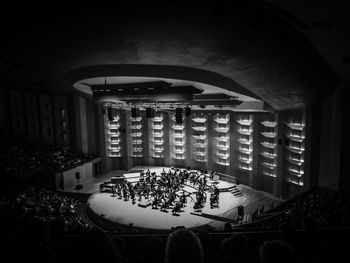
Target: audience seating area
(319, 208)
(51, 227)
(21, 155)
(44, 206)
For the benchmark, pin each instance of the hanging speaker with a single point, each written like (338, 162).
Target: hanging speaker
(110, 114)
(178, 116)
(150, 113)
(187, 111)
(286, 142)
(135, 112)
(115, 112)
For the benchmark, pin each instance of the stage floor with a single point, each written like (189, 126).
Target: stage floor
(124, 212)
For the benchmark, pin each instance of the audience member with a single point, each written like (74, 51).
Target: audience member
(153, 250)
(276, 251)
(183, 246)
(95, 246)
(233, 249)
(206, 242)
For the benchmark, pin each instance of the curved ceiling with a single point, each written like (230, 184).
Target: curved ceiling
(252, 47)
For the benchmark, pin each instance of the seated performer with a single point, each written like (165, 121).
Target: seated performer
(113, 191)
(125, 194)
(204, 181)
(132, 195)
(212, 175)
(146, 192)
(172, 197)
(163, 205)
(183, 198)
(155, 202)
(119, 192)
(176, 208)
(214, 200)
(163, 172)
(196, 205)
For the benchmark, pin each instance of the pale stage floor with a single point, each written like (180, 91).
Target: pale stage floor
(124, 212)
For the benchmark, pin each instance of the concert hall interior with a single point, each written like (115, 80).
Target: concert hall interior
(174, 131)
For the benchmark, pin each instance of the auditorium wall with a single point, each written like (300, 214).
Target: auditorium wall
(35, 116)
(61, 120)
(332, 139)
(87, 130)
(32, 116)
(5, 125)
(46, 118)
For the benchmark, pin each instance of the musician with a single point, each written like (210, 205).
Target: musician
(163, 205)
(176, 208)
(212, 175)
(162, 173)
(113, 191)
(125, 194)
(132, 195)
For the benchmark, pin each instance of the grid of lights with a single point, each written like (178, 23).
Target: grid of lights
(114, 148)
(245, 140)
(268, 136)
(295, 132)
(136, 131)
(200, 137)
(223, 143)
(156, 105)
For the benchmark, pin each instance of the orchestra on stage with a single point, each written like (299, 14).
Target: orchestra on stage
(167, 191)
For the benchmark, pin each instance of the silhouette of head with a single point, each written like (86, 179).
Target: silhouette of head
(183, 246)
(275, 251)
(234, 247)
(153, 250)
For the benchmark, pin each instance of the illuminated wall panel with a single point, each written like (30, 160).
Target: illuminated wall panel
(222, 151)
(268, 148)
(200, 138)
(137, 139)
(245, 142)
(113, 135)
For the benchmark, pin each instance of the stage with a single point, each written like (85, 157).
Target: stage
(122, 212)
